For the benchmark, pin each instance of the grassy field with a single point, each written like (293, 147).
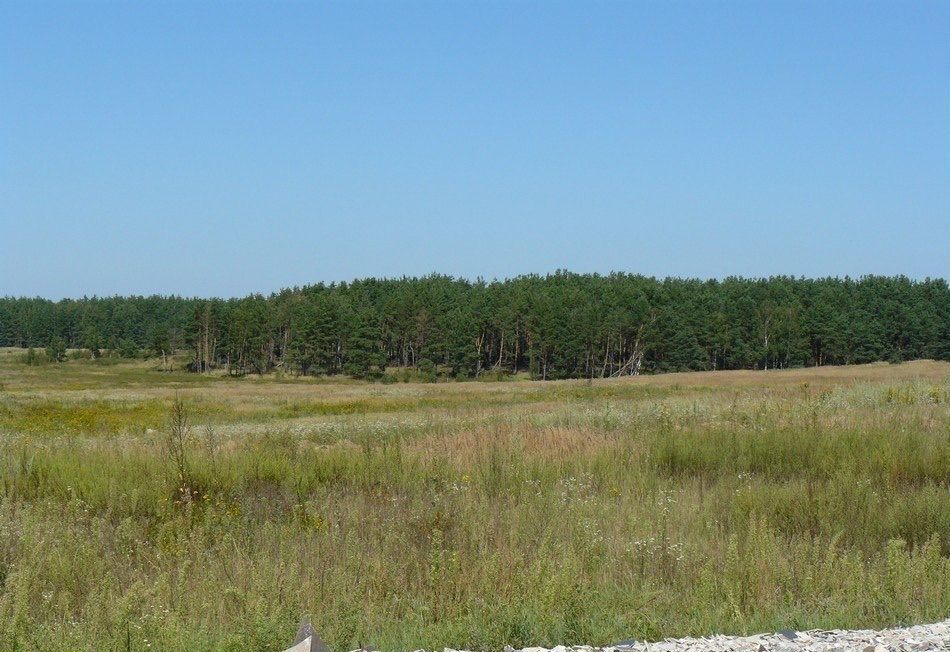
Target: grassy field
(467, 514)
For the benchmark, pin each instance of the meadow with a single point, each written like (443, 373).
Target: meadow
(466, 514)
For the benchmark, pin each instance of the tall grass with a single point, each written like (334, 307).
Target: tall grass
(595, 516)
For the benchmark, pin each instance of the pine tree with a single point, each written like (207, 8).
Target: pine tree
(364, 353)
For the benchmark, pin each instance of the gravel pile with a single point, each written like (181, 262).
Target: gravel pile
(905, 639)
(934, 637)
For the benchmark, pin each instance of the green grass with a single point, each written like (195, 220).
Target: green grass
(83, 417)
(473, 514)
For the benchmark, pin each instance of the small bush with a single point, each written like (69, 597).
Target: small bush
(56, 350)
(34, 358)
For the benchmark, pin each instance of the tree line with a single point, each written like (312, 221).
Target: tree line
(561, 325)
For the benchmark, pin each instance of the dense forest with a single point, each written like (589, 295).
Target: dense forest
(562, 325)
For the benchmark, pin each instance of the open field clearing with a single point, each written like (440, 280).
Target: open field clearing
(469, 515)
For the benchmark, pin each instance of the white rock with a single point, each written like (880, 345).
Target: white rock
(932, 637)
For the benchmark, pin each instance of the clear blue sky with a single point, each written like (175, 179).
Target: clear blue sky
(228, 148)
